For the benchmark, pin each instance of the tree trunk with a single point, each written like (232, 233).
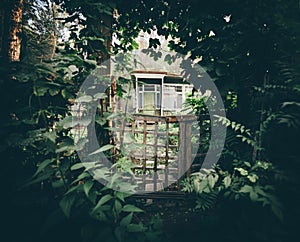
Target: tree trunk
(11, 29)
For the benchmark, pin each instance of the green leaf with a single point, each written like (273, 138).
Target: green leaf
(66, 94)
(77, 166)
(54, 91)
(41, 178)
(100, 96)
(242, 171)
(227, 181)
(277, 211)
(81, 177)
(253, 178)
(246, 189)
(85, 121)
(40, 91)
(117, 207)
(102, 149)
(119, 233)
(253, 196)
(101, 216)
(87, 187)
(135, 228)
(67, 122)
(135, 45)
(66, 204)
(212, 179)
(203, 186)
(121, 195)
(72, 189)
(102, 201)
(131, 208)
(84, 98)
(42, 166)
(65, 148)
(126, 220)
(51, 136)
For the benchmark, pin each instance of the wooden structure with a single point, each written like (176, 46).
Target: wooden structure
(159, 93)
(160, 147)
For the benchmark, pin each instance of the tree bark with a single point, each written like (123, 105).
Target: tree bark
(11, 29)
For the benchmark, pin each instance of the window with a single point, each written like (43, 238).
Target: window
(149, 97)
(172, 98)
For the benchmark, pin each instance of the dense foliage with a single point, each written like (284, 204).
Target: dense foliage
(249, 48)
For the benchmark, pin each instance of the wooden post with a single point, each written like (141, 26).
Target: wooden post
(145, 152)
(188, 146)
(155, 156)
(185, 144)
(167, 155)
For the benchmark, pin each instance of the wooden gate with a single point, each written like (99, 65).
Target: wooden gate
(160, 147)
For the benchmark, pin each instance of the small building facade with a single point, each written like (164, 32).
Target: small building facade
(159, 93)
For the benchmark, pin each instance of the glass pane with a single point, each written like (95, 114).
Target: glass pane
(149, 100)
(169, 101)
(149, 88)
(169, 97)
(178, 88)
(179, 101)
(168, 89)
(158, 100)
(140, 101)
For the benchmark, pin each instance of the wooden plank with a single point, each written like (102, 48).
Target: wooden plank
(181, 153)
(148, 118)
(167, 156)
(155, 156)
(188, 147)
(140, 157)
(181, 118)
(162, 195)
(145, 151)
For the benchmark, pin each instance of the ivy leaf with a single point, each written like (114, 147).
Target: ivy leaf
(154, 43)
